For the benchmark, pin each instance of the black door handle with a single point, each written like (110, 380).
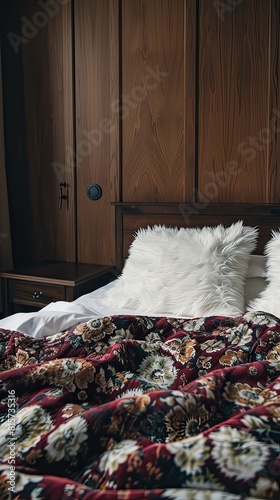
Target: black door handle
(61, 196)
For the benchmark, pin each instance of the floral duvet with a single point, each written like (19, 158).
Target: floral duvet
(128, 407)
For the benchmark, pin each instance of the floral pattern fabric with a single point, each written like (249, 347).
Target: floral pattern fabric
(128, 407)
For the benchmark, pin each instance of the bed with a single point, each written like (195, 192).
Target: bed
(113, 396)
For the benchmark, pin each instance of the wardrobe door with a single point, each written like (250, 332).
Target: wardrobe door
(238, 101)
(158, 100)
(96, 78)
(273, 165)
(38, 109)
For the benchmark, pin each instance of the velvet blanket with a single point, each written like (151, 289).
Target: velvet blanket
(142, 408)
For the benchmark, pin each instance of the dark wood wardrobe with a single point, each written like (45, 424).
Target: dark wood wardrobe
(152, 100)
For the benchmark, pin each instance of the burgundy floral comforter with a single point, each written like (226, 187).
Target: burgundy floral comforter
(131, 407)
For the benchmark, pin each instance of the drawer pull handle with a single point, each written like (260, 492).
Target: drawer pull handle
(37, 295)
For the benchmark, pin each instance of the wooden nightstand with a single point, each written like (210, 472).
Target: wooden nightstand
(33, 287)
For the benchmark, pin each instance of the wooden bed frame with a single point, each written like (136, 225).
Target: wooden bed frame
(131, 217)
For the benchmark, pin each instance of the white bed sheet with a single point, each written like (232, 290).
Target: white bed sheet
(60, 315)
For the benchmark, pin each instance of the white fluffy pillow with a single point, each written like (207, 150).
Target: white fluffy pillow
(269, 299)
(187, 271)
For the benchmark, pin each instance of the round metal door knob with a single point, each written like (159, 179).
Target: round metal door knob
(94, 192)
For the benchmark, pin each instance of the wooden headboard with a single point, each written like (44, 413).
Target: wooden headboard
(131, 217)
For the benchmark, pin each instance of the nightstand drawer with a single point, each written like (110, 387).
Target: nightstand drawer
(37, 294)
(38, 284)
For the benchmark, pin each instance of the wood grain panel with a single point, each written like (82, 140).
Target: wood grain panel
(115, 146)
(48, 94)
(273, 177)
(234, 69)
(157, 108)
(96, 54)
